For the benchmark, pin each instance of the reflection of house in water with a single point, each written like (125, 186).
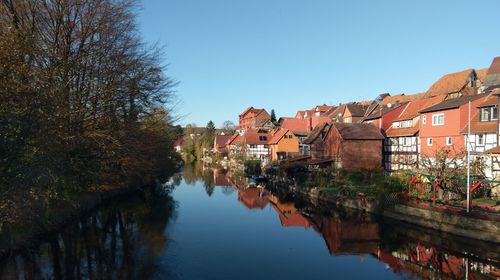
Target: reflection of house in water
(220, 178)
(289, 215)
(430, 263)
(347, 236)
(253, 198)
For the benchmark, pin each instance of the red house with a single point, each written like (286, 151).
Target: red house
(441, 125)
(253, 118)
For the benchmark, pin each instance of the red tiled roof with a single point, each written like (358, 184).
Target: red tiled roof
(295, 125)
(235, 139)
(252, 137)
(453, 103)
(412, 109)
(401, 98)
(481, 74)
(449, 83)
(482, 127)
(221, 140)
(405, 131)
(495, 150)
(277, 136)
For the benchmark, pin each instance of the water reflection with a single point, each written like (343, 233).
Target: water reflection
(415, 252)
(121, 241)
(151, 236)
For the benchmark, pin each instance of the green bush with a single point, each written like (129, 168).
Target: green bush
(252, 167)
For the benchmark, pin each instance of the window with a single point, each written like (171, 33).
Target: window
(253, 146)
(424, 119)
(408, 123)
(429, 141)
(407, 141)
(347, 120)
(438, 119)
(396, 124)
(480, 140)
(488, 114)
(263, 138)
(449, 141)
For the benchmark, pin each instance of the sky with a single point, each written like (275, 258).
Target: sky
(291, 55)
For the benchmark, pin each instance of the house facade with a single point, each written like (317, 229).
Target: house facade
(402, 145)
(253, 118)
(346, 145)
(283, 144)
(441, 125)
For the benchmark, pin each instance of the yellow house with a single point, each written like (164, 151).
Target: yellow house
(283, 144)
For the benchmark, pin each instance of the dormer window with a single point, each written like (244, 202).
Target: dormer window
(263, 138)
(396, 125)
(488, 114)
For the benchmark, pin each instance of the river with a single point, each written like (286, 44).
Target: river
(206, 225)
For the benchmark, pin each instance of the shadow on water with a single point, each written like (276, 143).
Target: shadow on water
(119, 241)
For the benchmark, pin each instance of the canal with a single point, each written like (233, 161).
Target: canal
(207, 225)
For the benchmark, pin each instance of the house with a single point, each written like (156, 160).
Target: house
(483, 131)
(492, 79)
(256, 144)
(441, 124)
(283, 144)
(235, 144)
(300, 128)
(458, 84)
(351, 146)
(178, 145)
(353, 113)
(402, 143)
(355, 146)
(321, 109)
(386, 108)
(220, 143)
(253, 118)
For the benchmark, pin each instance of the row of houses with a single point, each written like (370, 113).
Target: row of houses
(458, 112)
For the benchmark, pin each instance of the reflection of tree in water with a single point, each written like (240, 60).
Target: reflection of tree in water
(228, 190)
(122, 241)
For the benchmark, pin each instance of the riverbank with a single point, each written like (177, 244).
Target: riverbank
(473, 225)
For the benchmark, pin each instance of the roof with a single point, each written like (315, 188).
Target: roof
(278, 135)
(236, 138)
(401, 98)
(477, 126)
(295, 125)
(481, 74)
(412, 109)
(316, 132)
(358, 131)
(491, 100)
(300, 114)
(252, 137)
(449, 83)
(356, 110)
(330, 111)
(382, 110)
(335, 113)
(492, 79)
(253, 110)
(405, 131)
(221, 140)
(482, 127)
(452, 103)
(322, 108)
(495, 150)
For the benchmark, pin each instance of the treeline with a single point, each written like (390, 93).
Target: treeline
(82, 99)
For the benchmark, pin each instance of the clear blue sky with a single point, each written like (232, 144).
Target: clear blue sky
(291, 55)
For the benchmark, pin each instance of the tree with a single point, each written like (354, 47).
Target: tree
(273, 116)
(82, 98)
(229, 127)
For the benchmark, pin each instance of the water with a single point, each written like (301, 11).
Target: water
(207, 226)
